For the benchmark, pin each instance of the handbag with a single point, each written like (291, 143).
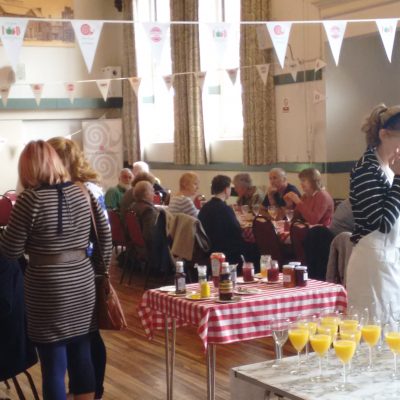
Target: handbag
(110, 315)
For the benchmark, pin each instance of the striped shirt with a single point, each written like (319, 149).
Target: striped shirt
(375, 202)
(184, 205)
(59, 298)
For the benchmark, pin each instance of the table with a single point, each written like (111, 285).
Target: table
(232, 322)
(260, 381)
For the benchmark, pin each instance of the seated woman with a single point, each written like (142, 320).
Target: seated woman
(182, 202)
(248, 194)
(316, 205)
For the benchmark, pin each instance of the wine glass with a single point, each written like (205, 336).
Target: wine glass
(273, 212)
(392, 338)
(298, 336)
(309, 322)
(289, 214)
(320, 342)
(371, 333)
(279, 329)
(256, 209)
(394, 309)
(345, 349)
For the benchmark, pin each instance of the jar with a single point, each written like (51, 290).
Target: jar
(273, 272)
(225, 283)
(248, 272)
(289, 278)
(301, 276)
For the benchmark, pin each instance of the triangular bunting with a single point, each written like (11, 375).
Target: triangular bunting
(387, 30)
(156, 34)
(279, 32)
(169, 81)
(70, 88)
(104, 86)
(5, 91)
(37, 89)
(12, 32)
(319, 64)
(318, 97)
(232, 74)
(335, 33)
(87, 34)
(294, 68)
(135, 83)
(263, 70)
(221, 36)
(200, 78)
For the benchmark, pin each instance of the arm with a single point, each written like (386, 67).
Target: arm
(313, 214)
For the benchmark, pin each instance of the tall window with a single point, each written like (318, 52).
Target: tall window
(222, 103)
(156, 113)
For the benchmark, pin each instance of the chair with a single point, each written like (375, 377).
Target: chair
(339, 255)
(117, 231)
(198, 201)
(268, 241)
(5, 211)
(12, 195)
(298, 233)
(167, 197)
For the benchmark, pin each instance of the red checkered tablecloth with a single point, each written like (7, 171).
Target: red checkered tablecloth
(247, 319)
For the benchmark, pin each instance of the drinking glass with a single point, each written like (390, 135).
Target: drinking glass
(320, 342)
(256, 209)
(289, 214)
(309, 322)
(394, 309)
(371, 333)
(345, 349)
(245, 209)
(298, 336)
(392, 338)
(280, 332)
(273, 212)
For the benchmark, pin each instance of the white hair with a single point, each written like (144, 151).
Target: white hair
(140, 166)
(281, 172)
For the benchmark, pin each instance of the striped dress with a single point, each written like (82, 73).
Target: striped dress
(184, 205)
(59, 298)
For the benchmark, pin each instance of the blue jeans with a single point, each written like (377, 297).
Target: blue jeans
(53, 360)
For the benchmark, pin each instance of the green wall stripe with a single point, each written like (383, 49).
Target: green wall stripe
(302, 76)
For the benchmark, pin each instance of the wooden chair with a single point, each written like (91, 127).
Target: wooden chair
(117, 231)
(5, 211)
(298, 233)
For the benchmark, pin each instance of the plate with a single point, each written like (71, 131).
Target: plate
(246, 291)
(240, 281)
(235, 299)
(196, 297)
(167, 288)
(265, 280)
(173, 293)
(258, 276)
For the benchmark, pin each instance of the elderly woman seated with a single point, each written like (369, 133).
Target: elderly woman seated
(248, 194)
(315, 206)
(182, 202)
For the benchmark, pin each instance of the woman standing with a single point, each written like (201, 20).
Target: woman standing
(373, 274)
(51, 221)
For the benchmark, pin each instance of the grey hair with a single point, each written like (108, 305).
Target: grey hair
(243, 179)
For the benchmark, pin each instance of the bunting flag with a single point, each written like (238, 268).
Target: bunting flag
(5, 91)
(87, 34)
(70, 88)
(135, 83)
(279, 32)
(318, 97)
(232, 73)
(156, 34)
(387, 30)
(37, 89)
(104, 86)
(319, 64)
(169, 81)
(294, 68)
(263, 70)
(12, 32)
(221, 35)
(200, 78)
(335, 33)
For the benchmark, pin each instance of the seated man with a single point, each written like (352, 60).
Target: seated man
(248, 194)
(140, 167)
(343, 220)
(114, 194)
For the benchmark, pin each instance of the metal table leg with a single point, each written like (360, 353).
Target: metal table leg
(211, 355)
(170, 356)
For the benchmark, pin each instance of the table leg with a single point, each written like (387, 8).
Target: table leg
(211, 355)
(170, 356)
(172, 360)
(166, 339)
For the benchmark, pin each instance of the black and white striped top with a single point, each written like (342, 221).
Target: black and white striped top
(59, 298)
(375, 202)
(182, 204)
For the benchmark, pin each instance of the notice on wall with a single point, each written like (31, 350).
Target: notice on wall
(285, 105)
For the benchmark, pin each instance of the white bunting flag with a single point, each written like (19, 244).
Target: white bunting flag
(12, 32)
(279, 32)
(37, 89)
(104, 86)
(200, 78)
(221, 36)
(87, 34)
(5, 91)
(135, 83)
(169, 81)
(156, 34)
(232, 74)
(319, 64)
(335, 32)
(294, 68)
(263, 70)
(318, 97)
(387, 30)
(70, 88)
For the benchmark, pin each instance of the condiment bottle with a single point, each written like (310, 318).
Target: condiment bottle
(289, 278)
(203, 284)
(301, 275)
(180, 278)
(225, 283)
(265, 264)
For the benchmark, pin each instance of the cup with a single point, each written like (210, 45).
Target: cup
(248, 272)
(273, 272)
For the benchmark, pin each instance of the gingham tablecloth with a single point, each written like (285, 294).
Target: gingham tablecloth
(247, 319)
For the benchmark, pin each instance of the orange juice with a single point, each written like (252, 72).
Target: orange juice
(349, 333)
(329, 328)
(330, 320)
(371, 334)
(311, 326)
(345, 349)
(393, 341)
(349, 324)
(298, 337)
(320, 343)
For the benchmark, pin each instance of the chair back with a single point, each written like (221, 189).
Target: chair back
(134, 230)
(267, 239)
(298, 233)
(158, 198)
(5, 210)
(12, 195)
(117, 230)
(199, 200)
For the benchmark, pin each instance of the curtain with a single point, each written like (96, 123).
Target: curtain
(189, 144)
(130, 112)
(259, 118)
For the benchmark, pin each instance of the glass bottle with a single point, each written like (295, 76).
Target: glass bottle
(180, 278)
(203, 284)
(225, 283)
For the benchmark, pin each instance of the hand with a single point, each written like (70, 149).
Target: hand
(291, 197)
(394, 162)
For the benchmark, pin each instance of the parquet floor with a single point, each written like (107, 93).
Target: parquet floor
(136, 366)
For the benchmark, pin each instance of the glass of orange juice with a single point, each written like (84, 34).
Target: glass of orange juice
(298, 336)
(320, 342)
(345, 349)
(310, 322)
(371, 333)
(392, 338)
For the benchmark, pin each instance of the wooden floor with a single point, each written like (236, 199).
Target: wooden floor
(136, 366)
